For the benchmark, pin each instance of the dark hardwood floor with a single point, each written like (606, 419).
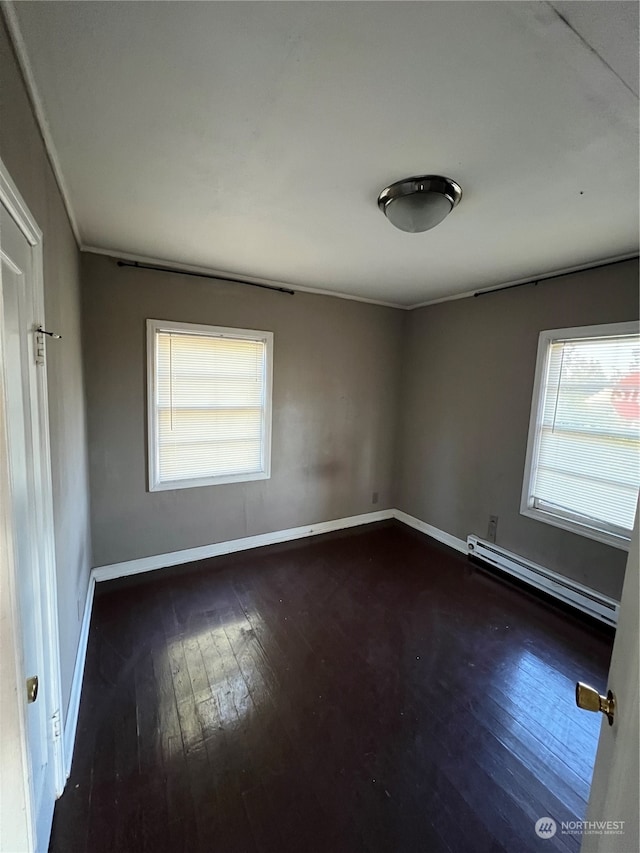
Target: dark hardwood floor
(364, 691)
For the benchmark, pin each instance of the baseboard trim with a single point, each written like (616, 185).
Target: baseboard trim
(190, 555)
(71, 717)
(430, 530)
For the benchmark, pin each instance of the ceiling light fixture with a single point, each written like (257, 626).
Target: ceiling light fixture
(420, 203)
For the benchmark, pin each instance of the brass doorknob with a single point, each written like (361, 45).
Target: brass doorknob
(589, 699)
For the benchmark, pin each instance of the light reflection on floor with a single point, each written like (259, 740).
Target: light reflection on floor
(234, 685)
(527, 681)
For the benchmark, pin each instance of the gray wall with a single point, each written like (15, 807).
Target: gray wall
(24, 155)
(429, 408)
(468, 378)
(335, 389)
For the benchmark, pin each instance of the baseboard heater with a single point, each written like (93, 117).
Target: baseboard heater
(570, 592)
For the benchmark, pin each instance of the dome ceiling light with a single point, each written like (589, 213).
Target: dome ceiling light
(420, 203)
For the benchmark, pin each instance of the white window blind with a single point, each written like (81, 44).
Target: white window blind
(210, 407)
(586, 460)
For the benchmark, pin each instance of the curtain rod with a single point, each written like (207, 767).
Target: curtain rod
(141, 266)
(536, 281)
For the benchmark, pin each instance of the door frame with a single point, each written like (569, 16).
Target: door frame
(43, 510)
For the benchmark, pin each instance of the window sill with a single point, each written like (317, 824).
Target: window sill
(606, 538)
(171, 485)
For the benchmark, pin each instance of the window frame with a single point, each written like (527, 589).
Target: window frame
(545, 339)
(153, 449)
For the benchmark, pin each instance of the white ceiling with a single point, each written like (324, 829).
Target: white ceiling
(254, 138)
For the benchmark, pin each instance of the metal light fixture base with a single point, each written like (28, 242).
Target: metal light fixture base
(416, 186)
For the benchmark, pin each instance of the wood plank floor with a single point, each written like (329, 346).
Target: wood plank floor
(370, 690)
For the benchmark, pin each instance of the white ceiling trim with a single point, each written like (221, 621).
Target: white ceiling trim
(230, 276)
(22, 56)
(530, 279)
(223, 275)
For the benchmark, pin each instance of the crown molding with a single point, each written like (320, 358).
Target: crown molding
(20, 48)
(225, 275)
(530, 279)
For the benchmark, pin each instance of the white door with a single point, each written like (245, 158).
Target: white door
(614, 789)
(22, 403)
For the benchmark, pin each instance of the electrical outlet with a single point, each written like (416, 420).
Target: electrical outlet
(492, 528)
(374, 498)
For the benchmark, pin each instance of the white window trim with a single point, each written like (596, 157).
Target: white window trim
(533, 440)
(154, 326)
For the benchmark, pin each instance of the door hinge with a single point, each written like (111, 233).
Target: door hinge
(39, 347)
(56, 728)
(40, 333)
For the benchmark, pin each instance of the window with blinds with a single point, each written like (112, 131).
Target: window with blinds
(209, 405)
(583, 460)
